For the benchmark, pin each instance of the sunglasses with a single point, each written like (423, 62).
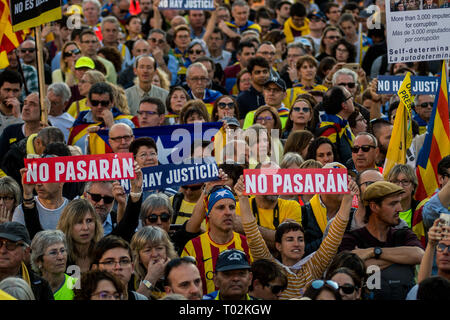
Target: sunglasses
(195, 51)
(365, 148)
(268, 118)
(427, 104)
(160, 41)
(71, 53)
(97, 197)
(193, 188)
(104, 103)
(223, 105)
(317, 284)
(28, 50)
(276, 289)
(120, 138)
(11, 246)
(304, 109)
(347, 84)
(441, 247)
(347, 288)
(153, 218)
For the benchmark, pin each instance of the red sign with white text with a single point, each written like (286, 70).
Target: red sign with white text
(99, 167)
(295, 181)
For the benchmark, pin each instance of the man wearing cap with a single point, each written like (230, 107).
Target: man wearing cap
(394, 251)
(14, 254)
(219, 204)
(232, 277)
(317, 23)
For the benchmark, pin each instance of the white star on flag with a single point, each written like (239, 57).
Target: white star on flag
(163, 153)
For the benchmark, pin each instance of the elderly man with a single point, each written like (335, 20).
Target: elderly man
(144, 68)
(127, 76)
(27, 54)
(91, 13)
(120, 137)
(59, 95)
(151, 112)
(364, 153)
(423, 107)
(14, 252)
(240, 12)
(110, 27)
(157, 39)
(267, 50)
(198, 81)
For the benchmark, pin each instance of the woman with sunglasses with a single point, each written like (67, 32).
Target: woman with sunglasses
(70, 53)
(323, 290)
(152, 250)
(224, 106)
(349, 283)
(302, 116)
(289, 242)
(49, 261)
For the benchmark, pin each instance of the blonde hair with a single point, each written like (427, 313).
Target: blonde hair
(120, 99)
(95, 76)
(163, 78)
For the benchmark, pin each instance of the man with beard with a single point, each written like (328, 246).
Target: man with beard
(270, 211)
(182, 277)
(382, 130)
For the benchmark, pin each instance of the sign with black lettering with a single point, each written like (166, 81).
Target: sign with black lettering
(32, 13)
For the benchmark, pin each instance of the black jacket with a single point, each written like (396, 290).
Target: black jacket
(248, 101)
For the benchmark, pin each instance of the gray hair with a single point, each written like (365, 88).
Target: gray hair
(199, 42)
(50, 135)
(291, 158)
(95, 2)
(61, 89)
(110, 19)
(344, 71)
(9, 186)
(157, 31)
(155, 201)
(89, 184)
(18, 288)
(41, 241)
(240, 3)
(374, 139)
(195, 65)
(296, 45)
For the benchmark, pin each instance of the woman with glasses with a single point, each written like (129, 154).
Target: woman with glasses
(323, 290)
(349, 283)
(344, 52)
(10, 196)
(82, 227)
(331, 35)
(225, 106)
(99, 285)
(49, 261)
(152, 250)
(69, 54)
(175, 101)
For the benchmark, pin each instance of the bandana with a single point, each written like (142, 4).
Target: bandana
(217, 195)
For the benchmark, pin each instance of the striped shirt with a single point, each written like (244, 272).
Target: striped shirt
(299, 280)
(206, 251)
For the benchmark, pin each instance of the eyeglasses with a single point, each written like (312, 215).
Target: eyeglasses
(365, 148)
(193, 188)
(55, 253)
(333, 37)
(71, 53)
(317, 284)
(31, 50)
(348, 288)
(267, 53)
(276, 289)
(159, 41)
(11, 246)
(351, 85)
(97, 197)
(126, 138)
(223, 105)
(268, 118)
(304, 109)
(111, 263)
(104, 295)
(104, 103)
(147, 113)
(404, 183)
(123, 11)
(147, 155)
(195, 51)
(427, 104)
(7, 198)
(202, 79)
(441, 247)
(153, 218)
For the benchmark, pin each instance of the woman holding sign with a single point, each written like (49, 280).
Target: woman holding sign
(289, 241)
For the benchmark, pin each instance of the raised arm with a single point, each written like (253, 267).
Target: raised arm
(426, 265)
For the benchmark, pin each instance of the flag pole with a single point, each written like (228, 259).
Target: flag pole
(41, 75)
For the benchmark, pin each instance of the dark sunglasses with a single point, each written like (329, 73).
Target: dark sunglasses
(193, 188)
(123, 11)
(223, 105)
(304, 109)
(365, 148)
(441, 247)
(347, 84)
(276, 289)
(71, 53)
(11, 246)
(97, 197)
(427, 104)
(160, 41)
(347, 288)
(195, 51)
(317, 284)
(28, 50)
(104, 103)
(153, 218)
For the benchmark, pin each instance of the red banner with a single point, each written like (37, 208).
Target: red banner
(99, 167)
(295, 181)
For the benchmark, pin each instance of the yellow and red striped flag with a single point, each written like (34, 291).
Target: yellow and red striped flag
(9, 40)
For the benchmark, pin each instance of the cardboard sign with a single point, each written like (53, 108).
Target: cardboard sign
(171, 175)
(187, 4)
(295, 181)
(32, 13)
(100, 167)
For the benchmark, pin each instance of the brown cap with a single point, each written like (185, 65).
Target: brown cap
(380, 190)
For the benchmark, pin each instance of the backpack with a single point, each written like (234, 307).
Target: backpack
(176, 205)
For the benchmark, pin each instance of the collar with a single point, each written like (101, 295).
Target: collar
(108, 221)
(193, 95)
(142, 92)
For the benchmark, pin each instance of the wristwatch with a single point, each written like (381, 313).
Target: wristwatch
(377, 252)
(148, 284)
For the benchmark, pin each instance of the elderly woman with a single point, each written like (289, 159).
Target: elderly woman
(175, 101)
(9, 198)
(99, 285)
(49, 259)
(152, 249)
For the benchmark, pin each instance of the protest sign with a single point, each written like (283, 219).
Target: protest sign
(187, 4)
(101, 167)
(32, 13)
(419, 84)
(171, 175)
(295, 181)
(417, 31)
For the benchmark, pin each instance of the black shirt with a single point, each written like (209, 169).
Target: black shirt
(249, 100)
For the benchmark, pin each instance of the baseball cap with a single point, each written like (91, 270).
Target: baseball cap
(317, 14)
(278, 81)
(84, 62)
(231, 121)
(380, 190)
(232, 259)
(14, 231)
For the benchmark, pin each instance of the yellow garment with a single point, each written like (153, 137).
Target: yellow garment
(81, 105)
(25, 274)
(5, 296)
(320, 212)
(30, 145)
(292, 93)
(186, 207)
(289, 26)
(289, 209)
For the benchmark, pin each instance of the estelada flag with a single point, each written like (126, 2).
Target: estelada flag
(437, 142)
(9, 40)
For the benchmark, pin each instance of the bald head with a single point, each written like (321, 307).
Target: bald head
(27, 52)
(140, 47)
(120, 137)
(178, 21)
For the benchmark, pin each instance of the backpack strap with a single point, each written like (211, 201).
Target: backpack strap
(276, 213)
(176, 205)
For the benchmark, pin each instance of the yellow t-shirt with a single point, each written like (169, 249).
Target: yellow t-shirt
(186, 207)
(73, 107)
(289, 209)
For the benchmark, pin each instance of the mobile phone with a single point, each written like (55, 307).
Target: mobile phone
(445, 220)
(352, 66)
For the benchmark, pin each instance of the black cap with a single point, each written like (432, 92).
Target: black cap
(317, 14)
(14, 231)
(278, 81)
(232, 260)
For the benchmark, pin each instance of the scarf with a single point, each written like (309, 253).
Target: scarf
(320, 212)
(341, 125)
(25, 274)
(289, 26)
